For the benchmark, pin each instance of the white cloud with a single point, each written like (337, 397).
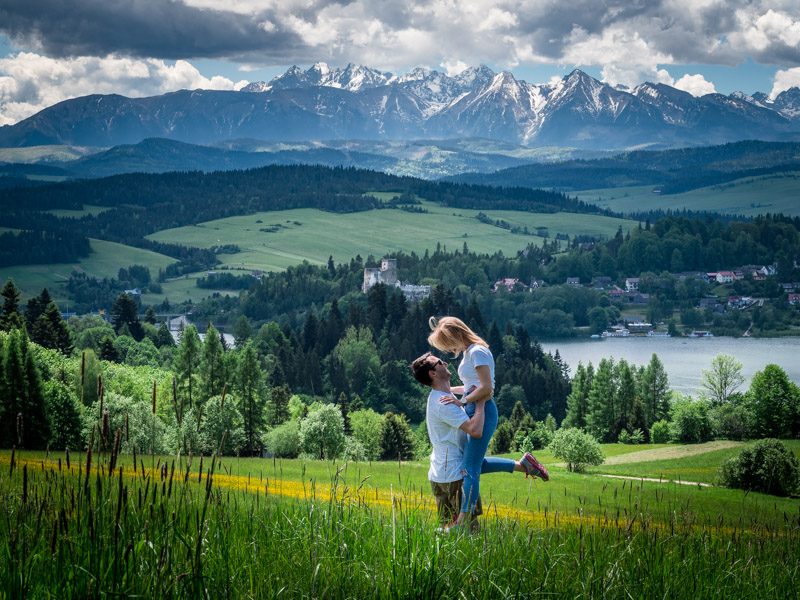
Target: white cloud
(33, 82)
(696, 85)
(785, 80)
(627, 58)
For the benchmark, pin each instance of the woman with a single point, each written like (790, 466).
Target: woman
(476, 371)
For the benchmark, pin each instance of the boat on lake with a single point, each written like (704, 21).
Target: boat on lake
(616, 333)
(700, 334)
(658, 334)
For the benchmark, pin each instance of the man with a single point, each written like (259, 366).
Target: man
(448, 425)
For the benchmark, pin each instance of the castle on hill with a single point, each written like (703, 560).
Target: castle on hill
(387, 274)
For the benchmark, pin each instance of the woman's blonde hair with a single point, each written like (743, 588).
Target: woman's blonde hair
(451, 334)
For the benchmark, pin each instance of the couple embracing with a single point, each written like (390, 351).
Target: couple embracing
(460, 429)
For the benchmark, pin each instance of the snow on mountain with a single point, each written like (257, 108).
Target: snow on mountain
(788, 103)
(357, 102)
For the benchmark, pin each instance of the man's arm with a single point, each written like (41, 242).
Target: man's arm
(474, 427)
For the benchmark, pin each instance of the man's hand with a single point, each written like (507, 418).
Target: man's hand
(450, 399)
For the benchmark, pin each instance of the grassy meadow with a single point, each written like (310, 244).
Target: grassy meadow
(314, 235)
(749, 196)
(179, 527)
(106, 260)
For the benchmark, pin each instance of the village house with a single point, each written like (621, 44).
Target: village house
(794, 299)
(536, 284)
(602, 283)
(712, 304)
(632, 284)
(510, 284)
(576, 281)
(725, 277)
(738, 301)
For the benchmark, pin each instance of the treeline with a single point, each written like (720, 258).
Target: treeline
(677, 244)
(142, 204)
(617, 401)
(42, 247)
(671, 170)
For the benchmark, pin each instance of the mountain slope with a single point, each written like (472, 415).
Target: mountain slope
(361, 103)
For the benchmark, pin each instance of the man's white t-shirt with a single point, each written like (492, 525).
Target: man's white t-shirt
(475, 356)
(443, 421)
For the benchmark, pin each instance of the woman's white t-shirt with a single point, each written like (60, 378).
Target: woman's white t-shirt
(475, 356)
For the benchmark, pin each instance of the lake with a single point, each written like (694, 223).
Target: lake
(685, 359)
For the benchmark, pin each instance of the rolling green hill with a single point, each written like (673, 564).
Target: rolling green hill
(750, 196)
(106, 260)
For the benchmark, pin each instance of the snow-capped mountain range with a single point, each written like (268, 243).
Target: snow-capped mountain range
(357, 102)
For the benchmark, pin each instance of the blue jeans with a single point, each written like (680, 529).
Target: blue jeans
(475, 461)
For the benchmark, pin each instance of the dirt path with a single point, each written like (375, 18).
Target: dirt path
(671, 452)
(697, 483)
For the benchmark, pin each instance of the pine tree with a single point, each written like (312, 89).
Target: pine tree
(35, 308)
(11, 317)
(344, 407)
(279, 405)
(211, 368)
(654, 391)
(186, 362)
(107, 350)
(626, 396)
(13, 390)
(242, 331)
(37, 424)
(249, 387)
(578, 400)
(309, 338)
(601, 402)
(165, 339)
(51, 331)
(125, 311)
(396, 438)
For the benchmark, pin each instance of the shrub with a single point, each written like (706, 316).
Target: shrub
(353, 449)
(322, 432)
(766, 466)
(397, 439)
(690, 421)
(533, 439)
(283, 441)
(502, 438)
(637, 436)
(624, 437)
(366, 427)
(659, 432)
(730, 421)
(576, 448)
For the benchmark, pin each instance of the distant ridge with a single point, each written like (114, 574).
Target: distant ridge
(361, 103)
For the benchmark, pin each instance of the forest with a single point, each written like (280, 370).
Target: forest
(142, 204)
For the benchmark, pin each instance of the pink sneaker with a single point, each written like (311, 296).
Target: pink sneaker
(533, 467)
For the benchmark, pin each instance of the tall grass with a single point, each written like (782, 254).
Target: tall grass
(182, 530)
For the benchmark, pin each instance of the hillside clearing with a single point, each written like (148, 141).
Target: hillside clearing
(750, 196)
(671, 452)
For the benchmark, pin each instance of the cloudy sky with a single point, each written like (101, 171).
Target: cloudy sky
(51, 50)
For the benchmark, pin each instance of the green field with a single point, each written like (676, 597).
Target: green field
(313, 235)
(106, 260)
(88, 209)
(256, 528)
(750, 196)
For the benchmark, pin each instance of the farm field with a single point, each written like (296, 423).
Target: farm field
(750, 196)
(313, 235)
(260, 528)
(106, 260)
